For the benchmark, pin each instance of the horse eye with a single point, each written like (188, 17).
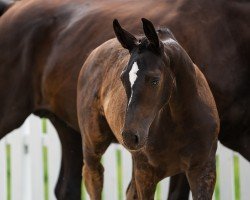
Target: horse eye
(155, 82)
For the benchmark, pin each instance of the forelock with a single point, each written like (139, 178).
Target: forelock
(145, 45)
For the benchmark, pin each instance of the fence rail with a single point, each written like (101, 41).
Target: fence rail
(30, 162)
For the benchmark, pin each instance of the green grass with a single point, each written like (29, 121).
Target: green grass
(119, 173)
(237, 178)
(217, 188)
(45, 173)
(44, 126)
(83, 191)
(158, 192)
(8, 152)
(45, 163)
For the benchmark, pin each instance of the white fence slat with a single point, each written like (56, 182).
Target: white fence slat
(27, 194)
(110, 174)
(126, 170)
(54, 158)
(226, 173)
(15, 139)
(244, 178)
(3, 170)
(190, 196)
(36, 152)
(164, 184)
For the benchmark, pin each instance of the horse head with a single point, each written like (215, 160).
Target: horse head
(147, 80)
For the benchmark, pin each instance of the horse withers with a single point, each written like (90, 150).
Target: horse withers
(154, 101)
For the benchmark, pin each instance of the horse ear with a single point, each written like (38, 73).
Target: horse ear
(150, 32)
(127, 40)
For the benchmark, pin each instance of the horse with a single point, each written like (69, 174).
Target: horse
(4, 6)
(43, 44)
(148, 95)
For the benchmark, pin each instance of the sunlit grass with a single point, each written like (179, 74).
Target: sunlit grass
(217, 188)
(45, 163)
(45, 173)
(237, 178)
(119, 173)
(83, 191)
(158, 192)
(8, 152)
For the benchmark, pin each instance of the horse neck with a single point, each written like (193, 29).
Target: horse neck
(184, 93)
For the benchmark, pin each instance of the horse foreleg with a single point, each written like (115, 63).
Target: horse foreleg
(131, 193)
(146, 178)
(69, 183)
(96, 138)
(202, 180)
(179, 187)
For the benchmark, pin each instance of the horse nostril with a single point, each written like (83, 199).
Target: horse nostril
(130, 139)
(136, 139)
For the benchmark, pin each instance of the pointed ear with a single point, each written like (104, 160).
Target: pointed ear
(150, 32)
(127, 40)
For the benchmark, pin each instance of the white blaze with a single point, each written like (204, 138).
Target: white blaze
(132, 78)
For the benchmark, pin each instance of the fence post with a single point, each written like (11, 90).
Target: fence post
(164, 185)
(36, 156)
(15, 140)
(126, 170)
(27, 194)
(110, 174)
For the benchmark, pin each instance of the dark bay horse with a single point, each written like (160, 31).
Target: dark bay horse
(4, 6)
(43, 44)
(152, 99)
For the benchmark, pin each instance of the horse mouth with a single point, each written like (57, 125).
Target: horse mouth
(133, 148)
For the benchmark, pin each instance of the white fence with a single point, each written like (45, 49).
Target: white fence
(30, 162)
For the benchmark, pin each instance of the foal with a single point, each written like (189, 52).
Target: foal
(154, 101)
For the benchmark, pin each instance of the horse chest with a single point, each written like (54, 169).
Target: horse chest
(163, 147)
(173, 150)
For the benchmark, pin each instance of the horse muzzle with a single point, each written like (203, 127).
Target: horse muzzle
(133, 140)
